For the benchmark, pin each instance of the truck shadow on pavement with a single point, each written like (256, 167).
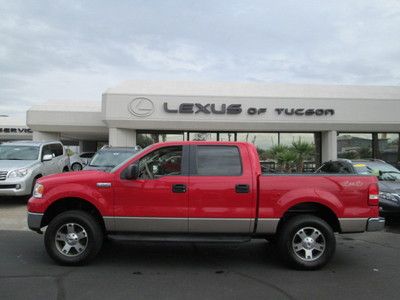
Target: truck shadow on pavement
(184, 254)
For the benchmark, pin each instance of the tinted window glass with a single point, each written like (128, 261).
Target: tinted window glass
(161, 162)
(335, 167)
(57, 149)
(46, 150)
(87, 155)
(218, 161)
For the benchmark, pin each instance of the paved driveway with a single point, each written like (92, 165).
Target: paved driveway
(365, 266)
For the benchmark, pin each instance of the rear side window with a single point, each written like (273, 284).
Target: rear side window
(335, 167)
(57, 149)
(218, 161)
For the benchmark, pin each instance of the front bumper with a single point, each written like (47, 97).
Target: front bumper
(35, 221)
(16, 187)
(375, 224)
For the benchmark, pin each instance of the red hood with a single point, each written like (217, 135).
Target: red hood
(79, 176)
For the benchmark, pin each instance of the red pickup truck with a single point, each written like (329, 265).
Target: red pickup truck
(201, 191)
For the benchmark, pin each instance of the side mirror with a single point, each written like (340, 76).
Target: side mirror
(47, 157)
(131, 172)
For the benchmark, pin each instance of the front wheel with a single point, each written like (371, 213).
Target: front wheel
(76, 167)
(306, 242)
(73, 238)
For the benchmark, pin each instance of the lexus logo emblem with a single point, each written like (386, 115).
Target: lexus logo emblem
(141, 107)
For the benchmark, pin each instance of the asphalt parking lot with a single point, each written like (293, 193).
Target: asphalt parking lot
(365, 266)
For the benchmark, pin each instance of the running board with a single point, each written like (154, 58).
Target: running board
(179, 238)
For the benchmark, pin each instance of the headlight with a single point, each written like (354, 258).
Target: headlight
(389, 196)
(38, 190)
(18, 173)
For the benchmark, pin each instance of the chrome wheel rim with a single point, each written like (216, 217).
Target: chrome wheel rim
(309, 244)
(71, 239)
(76, 167)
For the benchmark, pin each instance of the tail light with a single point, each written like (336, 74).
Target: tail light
(373, 194)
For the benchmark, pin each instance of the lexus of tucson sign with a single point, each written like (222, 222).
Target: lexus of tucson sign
(236, 109)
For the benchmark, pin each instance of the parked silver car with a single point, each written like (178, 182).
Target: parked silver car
(23, 162)
(78, 161)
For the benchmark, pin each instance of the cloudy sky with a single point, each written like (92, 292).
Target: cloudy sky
(73, 49)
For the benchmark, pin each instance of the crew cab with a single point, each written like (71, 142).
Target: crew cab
(201, 191)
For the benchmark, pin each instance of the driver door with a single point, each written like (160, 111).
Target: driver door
(157, 201)
(47, 166)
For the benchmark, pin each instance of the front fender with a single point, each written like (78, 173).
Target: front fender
(75, 190)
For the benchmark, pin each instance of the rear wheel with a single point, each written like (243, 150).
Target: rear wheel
(73, 238)
(306, 242)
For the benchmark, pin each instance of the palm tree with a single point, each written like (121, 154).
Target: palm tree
(303, 151)
(286, 159)
(276, 152)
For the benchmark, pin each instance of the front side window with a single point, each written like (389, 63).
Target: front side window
(161, 162)
(218, 161)
(9, 152)
(47, 150)
(57, 149)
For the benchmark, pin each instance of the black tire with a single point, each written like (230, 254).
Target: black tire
(65, 169)
(76, 167)
(82, 220)
(295, 250)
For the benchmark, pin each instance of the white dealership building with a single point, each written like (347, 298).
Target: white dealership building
(338, 120)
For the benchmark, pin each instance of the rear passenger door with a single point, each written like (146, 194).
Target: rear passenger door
(221, 190)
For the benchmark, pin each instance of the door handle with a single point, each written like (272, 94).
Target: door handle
(242, 188)
(179, 188)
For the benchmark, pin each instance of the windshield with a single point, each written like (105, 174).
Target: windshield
(384, 172)
(123, 162)
(13, 152)
(109, 159)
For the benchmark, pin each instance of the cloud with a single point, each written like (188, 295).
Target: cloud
(77, 49)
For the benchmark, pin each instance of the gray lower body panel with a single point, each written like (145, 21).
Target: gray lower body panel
(267, 226)
(220, 225)
(179, 225)
(146, 224)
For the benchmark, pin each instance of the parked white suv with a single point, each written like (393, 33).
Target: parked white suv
(23, 162)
